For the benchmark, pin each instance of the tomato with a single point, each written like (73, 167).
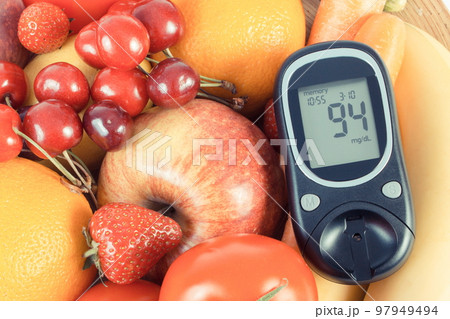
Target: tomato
(82, 11)
(239, 267)
(140, 290)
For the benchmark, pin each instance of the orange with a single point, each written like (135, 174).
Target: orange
(41, 243)
(244, 42)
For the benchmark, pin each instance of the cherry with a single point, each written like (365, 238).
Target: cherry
(172, 83)
(122, 40)
(54, 125)
(164, 22)
(10, 142)
(125, 88)
(108, 125)
(86, 46)
(26, 152)
(13, 84)
(123, 7)
(64, 82)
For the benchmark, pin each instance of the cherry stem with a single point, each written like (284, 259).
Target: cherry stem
(205, 81)
(152, 60)
(86, 183)
(142, 70)
(57, 164)
(167, 53)
(210, 79)
(272, 293)
(80, 164)
(8, 100)
(236, 104)
(221, 84)
(74, 168)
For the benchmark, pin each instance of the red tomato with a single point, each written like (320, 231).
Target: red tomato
(239, 267)
(82, 11)
(140, 290)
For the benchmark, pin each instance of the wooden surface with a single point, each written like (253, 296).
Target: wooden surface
(429, 15)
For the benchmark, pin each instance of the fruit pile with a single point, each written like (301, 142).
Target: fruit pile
(158, 186)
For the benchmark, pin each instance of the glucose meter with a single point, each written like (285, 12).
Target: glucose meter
(348, 189)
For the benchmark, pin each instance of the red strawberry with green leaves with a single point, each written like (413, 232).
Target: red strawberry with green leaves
(43, 27)
(127, 240)
(269, 121)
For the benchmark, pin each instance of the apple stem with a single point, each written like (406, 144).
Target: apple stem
(272, 293)
(236, 104)
(166, 210)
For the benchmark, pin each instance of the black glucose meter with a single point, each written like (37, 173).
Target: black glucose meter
(348, 188)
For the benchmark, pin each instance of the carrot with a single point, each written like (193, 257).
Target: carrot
(341, 19)
(386, 34)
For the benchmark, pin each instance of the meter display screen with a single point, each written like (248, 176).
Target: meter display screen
(338, 118)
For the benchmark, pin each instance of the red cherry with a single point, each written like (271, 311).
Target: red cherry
(86, 46)
(64, 82)
(125, 88)
(13, 84)
(164, 23)
(123, 41)
(123, 7)
(54, 125)
(10, 142)
(172, 83)
(108, 125)
(26, 152)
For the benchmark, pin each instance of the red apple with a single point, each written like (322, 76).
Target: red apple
(11, 49)
(176, 158)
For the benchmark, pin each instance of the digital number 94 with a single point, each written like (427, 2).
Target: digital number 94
(337, 114)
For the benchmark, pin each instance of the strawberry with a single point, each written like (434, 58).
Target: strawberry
(269, 121)
(127, 240)
(43, 27)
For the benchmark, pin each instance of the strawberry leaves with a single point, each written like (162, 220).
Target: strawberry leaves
(127, 240)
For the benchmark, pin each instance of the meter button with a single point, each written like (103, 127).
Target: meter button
(309, 202)
(392, 189)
